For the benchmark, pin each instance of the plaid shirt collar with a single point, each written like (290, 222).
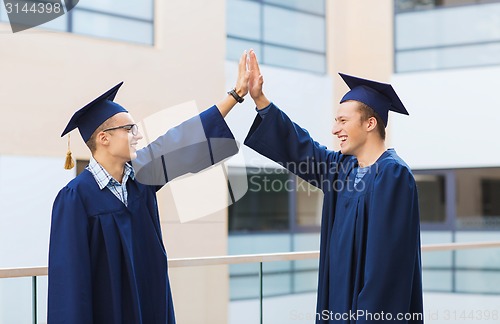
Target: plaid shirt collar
(104, 179)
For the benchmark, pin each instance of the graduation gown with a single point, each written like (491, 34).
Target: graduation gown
(370, 234)
(107, 261)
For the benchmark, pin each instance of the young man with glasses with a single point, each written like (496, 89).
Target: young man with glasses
(107, 262)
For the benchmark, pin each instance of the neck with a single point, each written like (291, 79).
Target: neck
(371, 153)
(114, 168)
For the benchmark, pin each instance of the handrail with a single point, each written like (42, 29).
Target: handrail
(459, 246)
(250, 258)
(243, 258)
(23, 272)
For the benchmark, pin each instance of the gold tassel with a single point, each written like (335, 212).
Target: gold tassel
(69, 164)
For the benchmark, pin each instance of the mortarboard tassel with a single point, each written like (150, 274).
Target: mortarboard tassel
(69, 164)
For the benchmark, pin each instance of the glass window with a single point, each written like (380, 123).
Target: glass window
(290, 34)
(478, 281)
(3, 13)
(275, 198)
(309, 204)
(243, 19)
(416, 60)
(265, 206)
(413, 5)
(410, 5)
(450, 27)
(129, 8)
(294, 29)
(299, 60)
(490, 189)
(105, 26)
(126, 20)
(458, 36)
(313, 6)
(81, 165)
(431, 198)
(58, 24)
(446, 58)
(459, 199)
(16, 295)
(478, 192)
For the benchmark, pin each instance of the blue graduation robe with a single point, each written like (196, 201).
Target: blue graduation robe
(107, 261)
(370, 234)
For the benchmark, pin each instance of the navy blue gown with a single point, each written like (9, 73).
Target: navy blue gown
(370, 233)
(107, 261)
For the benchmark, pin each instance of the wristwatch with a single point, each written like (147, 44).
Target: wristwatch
(236, 96)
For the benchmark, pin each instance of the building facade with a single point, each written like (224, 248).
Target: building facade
(177, 58)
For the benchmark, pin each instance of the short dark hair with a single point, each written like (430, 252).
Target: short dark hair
(367, 112)
(91, 143)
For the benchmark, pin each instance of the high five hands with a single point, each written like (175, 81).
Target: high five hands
(250, 79)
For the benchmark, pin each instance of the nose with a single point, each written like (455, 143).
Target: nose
(335, 129)
(138, 136)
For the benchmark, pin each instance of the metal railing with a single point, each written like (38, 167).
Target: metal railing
(35, 272)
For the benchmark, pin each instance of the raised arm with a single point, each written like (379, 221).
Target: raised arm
(195, 144)
(189, 147)
(275, 136)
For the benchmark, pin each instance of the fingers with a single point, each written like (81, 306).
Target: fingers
(242, 67)
(253, 65)
(249, 79)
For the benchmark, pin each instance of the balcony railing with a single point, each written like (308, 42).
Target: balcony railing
(260, 259)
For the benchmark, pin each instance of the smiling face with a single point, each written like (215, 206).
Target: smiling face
(349, 127)
(120, 143)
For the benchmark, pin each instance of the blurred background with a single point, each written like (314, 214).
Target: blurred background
(441, 56)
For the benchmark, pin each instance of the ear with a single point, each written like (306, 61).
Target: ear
(102, 139)
(371, 124)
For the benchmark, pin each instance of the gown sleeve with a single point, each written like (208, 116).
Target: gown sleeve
(291, 146)
(190, 147)
(69, 286)
(392, 244)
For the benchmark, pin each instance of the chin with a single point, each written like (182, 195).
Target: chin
(133, 155)
(345, 151)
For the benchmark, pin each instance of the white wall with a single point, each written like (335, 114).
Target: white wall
(28, 187)
(454, 118)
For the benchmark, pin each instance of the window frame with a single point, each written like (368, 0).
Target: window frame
(69, 26)
(263, 44)
(458, 46)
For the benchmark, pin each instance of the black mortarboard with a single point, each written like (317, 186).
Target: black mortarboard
(88, 118)
(381, 97)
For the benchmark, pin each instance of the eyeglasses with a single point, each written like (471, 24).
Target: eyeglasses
(131, 128)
